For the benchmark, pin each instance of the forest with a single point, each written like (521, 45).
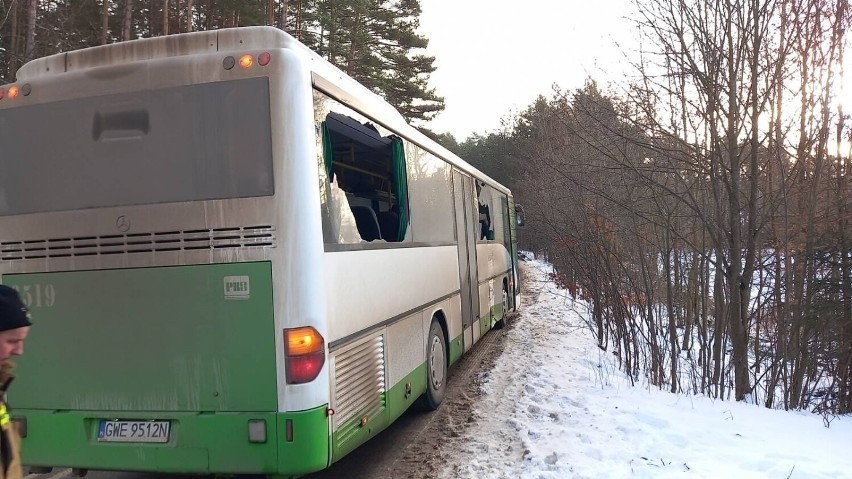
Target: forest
(701, 206)
(374, 41)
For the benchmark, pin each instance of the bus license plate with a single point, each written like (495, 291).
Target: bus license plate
(134, 431)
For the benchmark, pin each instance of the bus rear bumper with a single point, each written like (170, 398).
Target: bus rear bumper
(198, 443)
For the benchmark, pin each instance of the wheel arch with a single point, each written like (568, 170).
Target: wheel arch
(439, 316)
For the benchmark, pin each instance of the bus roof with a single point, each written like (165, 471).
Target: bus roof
(326, 76)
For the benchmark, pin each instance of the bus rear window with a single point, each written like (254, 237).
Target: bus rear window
(198, 142)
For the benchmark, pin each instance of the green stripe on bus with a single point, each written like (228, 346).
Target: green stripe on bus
(398, 399)
(456, 348)
(199, 443)
(310, 446)
(358, 429)
(497, 313)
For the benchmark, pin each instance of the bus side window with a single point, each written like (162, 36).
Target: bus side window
(484, 195)
(485, 231)
(341, 220)
(389, 223)
(370, 170)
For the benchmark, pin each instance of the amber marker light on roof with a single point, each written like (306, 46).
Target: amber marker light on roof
(246, 61)
(14, 91)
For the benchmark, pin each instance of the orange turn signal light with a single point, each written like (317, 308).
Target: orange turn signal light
(300, 341)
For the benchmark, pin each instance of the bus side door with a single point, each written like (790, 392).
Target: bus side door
(466, 227)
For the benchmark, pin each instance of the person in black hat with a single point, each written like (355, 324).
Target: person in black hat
(14, 327)
(14, 323)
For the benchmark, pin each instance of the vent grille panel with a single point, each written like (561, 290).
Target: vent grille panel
(360, 381)
(189, 240)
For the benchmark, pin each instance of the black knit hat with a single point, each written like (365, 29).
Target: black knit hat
(13, 313)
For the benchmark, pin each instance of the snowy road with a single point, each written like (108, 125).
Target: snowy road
(555, 406)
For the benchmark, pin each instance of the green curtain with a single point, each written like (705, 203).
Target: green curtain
(326, 149)
(400, 180)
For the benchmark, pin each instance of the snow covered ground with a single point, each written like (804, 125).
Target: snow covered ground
(556, 406)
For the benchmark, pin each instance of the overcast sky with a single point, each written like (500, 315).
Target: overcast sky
(494, 57)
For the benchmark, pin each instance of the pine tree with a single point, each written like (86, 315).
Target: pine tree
(405, 74)
(375, 42)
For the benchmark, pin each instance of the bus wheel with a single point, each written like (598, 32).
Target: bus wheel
(436, 369)
(502, 323)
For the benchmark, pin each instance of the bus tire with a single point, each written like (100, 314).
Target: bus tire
(505, 305)
(436, 369)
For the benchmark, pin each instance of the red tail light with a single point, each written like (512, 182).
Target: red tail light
(305, 354)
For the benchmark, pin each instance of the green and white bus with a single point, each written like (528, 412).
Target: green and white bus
(238, 259)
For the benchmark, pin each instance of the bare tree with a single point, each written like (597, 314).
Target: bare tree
(104, 22)
(14, 43)
(285, 7)
(165, 17)
(718, 52)
(32, 15)
(127, 21)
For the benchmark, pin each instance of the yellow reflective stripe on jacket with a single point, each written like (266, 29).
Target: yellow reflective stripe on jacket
(4, 415)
